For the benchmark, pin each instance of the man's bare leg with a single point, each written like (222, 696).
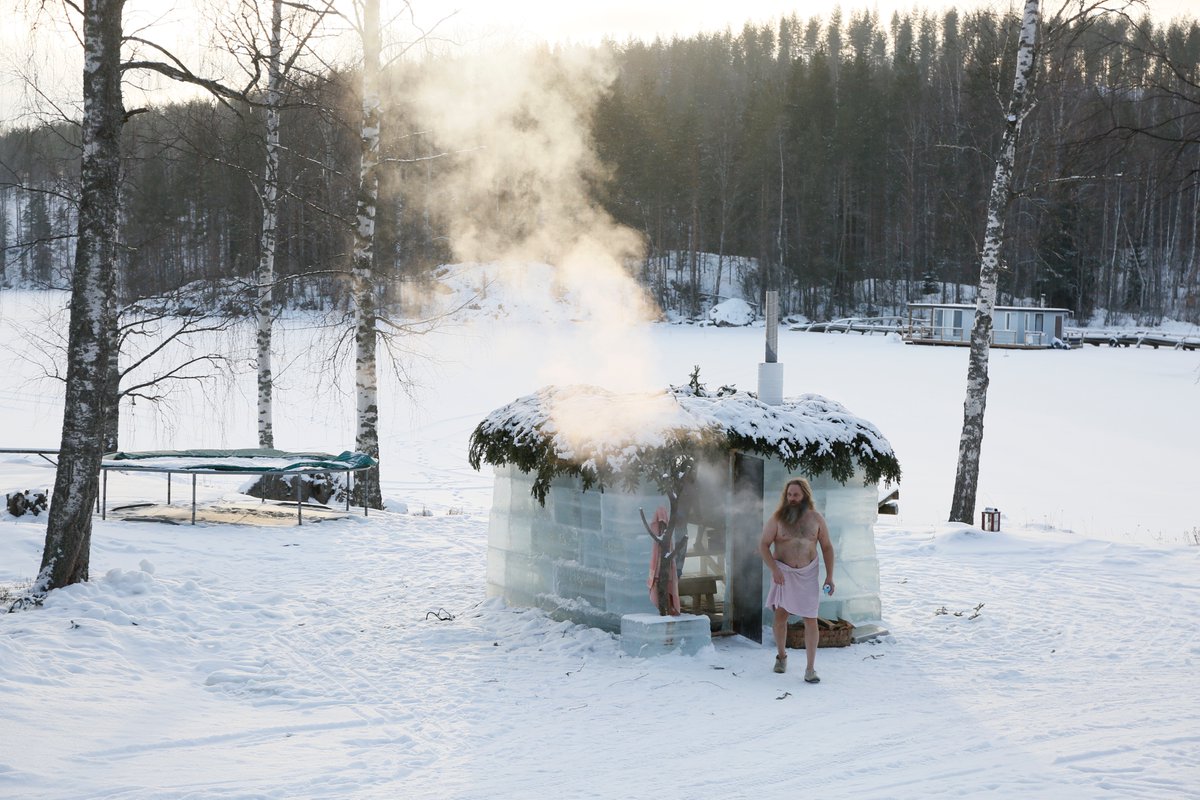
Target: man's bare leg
(811, 636)
(779, 626)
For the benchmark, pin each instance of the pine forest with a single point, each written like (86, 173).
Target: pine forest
(848, 157)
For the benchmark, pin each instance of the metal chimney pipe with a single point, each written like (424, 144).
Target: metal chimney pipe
(772, 314)
(770, 373)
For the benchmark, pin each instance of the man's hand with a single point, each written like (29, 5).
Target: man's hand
(777, 575)
(829, 587)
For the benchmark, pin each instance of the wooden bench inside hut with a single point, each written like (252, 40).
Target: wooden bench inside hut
(702, 586)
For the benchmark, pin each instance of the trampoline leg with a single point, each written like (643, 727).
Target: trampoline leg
(168, 488)
(299, 509)
(193, 499)
(104, 496)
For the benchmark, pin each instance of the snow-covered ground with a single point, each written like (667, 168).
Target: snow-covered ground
(360, 658)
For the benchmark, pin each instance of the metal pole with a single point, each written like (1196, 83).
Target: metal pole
(104, 496)
(772, 314)
(299, 514)
(193, 498)
(168, 488)
(349, 487)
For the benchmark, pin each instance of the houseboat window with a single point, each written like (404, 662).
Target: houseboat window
(958, 320)
(1038, 322)
(1008, 320)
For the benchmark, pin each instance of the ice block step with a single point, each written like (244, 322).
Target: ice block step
(646, 635)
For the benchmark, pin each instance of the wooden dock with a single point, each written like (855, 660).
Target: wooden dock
(1154, 339)
(861, 325)
(1074, 337)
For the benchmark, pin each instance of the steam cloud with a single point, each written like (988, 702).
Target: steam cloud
(517, 125)
(516, 196)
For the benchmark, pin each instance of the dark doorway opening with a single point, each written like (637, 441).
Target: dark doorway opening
(745, 567)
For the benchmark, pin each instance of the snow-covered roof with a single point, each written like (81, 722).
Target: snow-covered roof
(607, 438)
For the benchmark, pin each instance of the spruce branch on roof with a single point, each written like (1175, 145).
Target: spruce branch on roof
(810, 433)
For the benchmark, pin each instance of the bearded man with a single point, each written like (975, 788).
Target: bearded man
(794, 531)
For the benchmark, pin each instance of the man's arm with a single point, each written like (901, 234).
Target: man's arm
(827, 552)
(764, 550)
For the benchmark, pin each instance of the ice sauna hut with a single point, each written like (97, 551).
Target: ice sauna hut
(574, 464)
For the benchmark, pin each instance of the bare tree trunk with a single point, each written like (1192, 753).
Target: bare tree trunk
(67, 550)
(1191, 271)
(365, 336)
(266, 258)
(779, 239)
(110, 424)
(723, 190)
(966, 482)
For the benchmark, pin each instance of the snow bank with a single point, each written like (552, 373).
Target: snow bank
(732, 313)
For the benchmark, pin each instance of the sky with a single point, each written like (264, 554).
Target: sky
(621, 19)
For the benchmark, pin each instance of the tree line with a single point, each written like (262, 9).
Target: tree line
(851, 157)
(854, 159)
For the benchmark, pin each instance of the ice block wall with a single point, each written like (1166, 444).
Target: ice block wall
(584, 556)
(850, 511)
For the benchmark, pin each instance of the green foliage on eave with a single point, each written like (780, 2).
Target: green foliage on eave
(535, 456)
(838, 459)
(667, 465)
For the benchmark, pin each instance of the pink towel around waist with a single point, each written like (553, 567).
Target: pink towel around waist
(800, 593)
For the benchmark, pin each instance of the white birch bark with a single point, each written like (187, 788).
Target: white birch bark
(266, 258)
(65, 558)
(365, 338)
(966, 481)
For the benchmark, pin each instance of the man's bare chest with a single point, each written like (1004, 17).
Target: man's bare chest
(798, 536)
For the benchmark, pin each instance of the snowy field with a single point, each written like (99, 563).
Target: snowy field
(360, 658)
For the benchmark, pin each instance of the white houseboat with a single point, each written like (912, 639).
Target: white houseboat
(1012, 326)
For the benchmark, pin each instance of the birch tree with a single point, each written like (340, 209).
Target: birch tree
(67, 551)
(91, 391)
(1020, 104)
(266, 254)
(304, 19)
(366, 388)
(966, 481)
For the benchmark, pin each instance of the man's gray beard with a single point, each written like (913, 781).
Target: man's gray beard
(791, 514)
